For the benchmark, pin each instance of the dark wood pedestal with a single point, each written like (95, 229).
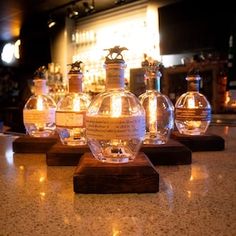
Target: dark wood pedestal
(93, 176)
(28, 144)
(171, 153)
(62, 155)
(206, 142)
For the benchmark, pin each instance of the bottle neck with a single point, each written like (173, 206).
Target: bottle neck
(40, 87)
(75, 82)
(115, 76)
(193, 84)
(153, 83)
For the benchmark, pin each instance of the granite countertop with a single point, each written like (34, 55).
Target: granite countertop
(196, 199)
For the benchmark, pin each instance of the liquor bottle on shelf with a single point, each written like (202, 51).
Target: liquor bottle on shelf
(115, 120)
(158, 107)
(230, 103)
(192, 109)
(39, 110)
(71, 109)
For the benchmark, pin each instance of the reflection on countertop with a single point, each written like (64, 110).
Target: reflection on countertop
(224, 119)
(196, 199)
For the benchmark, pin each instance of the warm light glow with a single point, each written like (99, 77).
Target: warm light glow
(227, 97)
(42, 195)
(198, 173)
(21, 167)
(51, 23)
(194, 124)
(76, 104)
(17, 49)
(8, 53)
(40, 104)
(136, 28)
(153, 114)
(66, 220)
(189, 194)
(116, 232)
(153, 39)
(226, 130)
(116, 106)
(41, 179)
(9, 156)
(191, 103)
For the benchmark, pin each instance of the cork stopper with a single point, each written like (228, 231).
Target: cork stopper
(193, 78)
(75, 77)
(40, 86)
(40, 73)
(152, 74)
(115, 68)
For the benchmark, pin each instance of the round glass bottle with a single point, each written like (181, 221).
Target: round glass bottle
(158, 107)
(39, 110)
(71, 109)
(115, 120)
(192, 109)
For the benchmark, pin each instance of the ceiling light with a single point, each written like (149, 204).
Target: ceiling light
(118, 2)
(72, 12)
(88, 8)
(51, 22)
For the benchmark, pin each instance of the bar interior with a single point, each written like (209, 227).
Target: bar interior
(117, 117)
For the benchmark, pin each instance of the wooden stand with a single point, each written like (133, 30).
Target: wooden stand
(28, 144)
(207, 142)
(62, 155)
(93, 176)
(171, 153)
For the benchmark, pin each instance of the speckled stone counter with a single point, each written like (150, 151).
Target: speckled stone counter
(197, 199)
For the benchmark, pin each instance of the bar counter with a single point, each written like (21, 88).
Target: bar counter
(197, 199)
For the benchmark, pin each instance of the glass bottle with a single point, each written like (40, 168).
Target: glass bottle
(71, 109)
(158, 107)
(115, 120)
(39, 110)
(192, 109)
(230, 103)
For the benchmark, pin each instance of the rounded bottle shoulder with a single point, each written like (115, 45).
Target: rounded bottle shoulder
(150, 93)
(71, 97)
(199, 99)
(105, 102)
(161, 98)
(44, 100)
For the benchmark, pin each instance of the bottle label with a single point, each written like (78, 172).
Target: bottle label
(193, 114)
(70, 119)
(124, 127)
(36, 116)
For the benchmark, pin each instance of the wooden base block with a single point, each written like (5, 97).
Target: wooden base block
(28, 144)
(62, 155)
(171, 153)
(93, 176)
(206, 142)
